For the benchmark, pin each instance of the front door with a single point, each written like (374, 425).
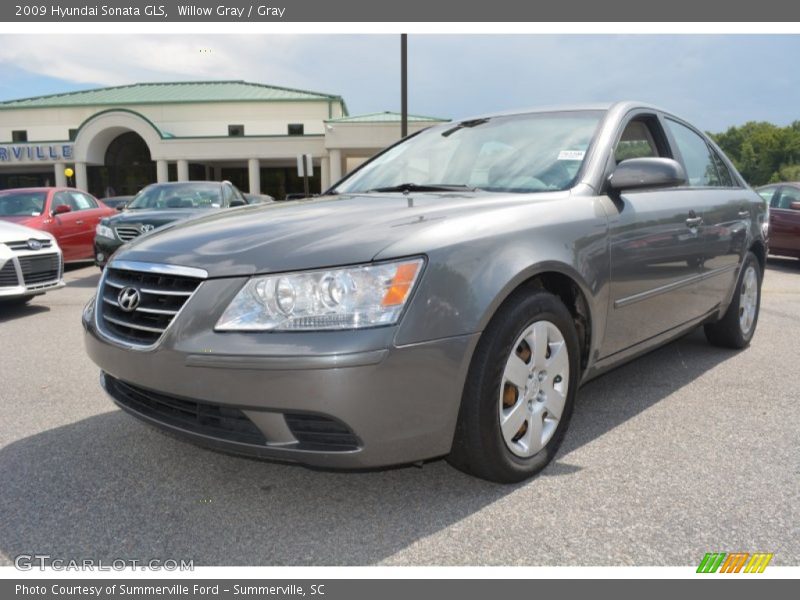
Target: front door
(655, 249)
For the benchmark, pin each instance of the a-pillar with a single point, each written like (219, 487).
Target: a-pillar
(254, 175)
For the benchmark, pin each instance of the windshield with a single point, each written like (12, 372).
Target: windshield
(22, 204)
(520, 153)
(178, 195)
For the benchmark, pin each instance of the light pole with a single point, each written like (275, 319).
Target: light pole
(403, 85)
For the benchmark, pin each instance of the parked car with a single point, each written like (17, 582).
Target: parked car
(117, 202)
(447, 298)
(160, 204)
(784, 217)
(30, 263)
(70, 215)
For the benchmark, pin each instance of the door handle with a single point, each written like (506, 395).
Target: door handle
(694, 221)
(744, 213)
(79, 222)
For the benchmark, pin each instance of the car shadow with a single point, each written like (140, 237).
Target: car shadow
(87, 281)
(10, 312)
(783, 264)
(109, 486)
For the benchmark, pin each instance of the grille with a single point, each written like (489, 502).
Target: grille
(161, 297)
(8, 275)
(126, 234)
(318, 432)
(38, 269)
(23, 244)
(213, 420)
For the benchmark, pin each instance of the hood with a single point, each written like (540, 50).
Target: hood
(155, 217)
(317, 233)
(12, 231)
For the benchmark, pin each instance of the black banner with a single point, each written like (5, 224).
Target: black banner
(254, 11)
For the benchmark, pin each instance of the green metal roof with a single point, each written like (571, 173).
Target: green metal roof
(178, 92)
(386, 117)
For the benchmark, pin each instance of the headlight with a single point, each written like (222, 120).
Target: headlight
(104, 231)
(344, 298)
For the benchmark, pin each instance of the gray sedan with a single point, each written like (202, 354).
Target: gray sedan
(448, 298)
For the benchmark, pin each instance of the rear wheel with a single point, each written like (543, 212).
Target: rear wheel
(520, 390)
(737, 326)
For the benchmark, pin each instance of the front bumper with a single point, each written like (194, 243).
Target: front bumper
(104, 248)
(16, 283)
(399, 403)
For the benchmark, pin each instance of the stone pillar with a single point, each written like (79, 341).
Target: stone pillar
(162, 171)
(183, 170)
(324, 173)
(61, 179)
(254, 175)
(81, 180)
(336, 165)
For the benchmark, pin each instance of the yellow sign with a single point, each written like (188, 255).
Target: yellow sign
(69, 172)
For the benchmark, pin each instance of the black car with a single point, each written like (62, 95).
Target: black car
(160, 204)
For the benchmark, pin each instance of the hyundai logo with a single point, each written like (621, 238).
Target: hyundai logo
(34, 245)
(128, 299)
(147, 227)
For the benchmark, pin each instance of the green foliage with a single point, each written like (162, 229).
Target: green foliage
(763, 152)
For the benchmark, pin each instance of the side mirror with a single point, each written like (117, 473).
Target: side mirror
(120, 207)
(640, 173)
(795, 206)
(237, 202)
(61, 209)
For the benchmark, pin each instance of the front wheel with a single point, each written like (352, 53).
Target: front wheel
(737, 326)
(520, 390)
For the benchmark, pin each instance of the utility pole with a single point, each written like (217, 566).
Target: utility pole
(403, 84)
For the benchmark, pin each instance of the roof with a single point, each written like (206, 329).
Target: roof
(176, 92)
(386, 117)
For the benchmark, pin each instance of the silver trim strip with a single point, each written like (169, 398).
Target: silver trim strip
(164, 292)
(672, 286)
(164, 269)
(132, 326)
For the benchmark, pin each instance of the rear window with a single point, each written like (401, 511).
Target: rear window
(177, 196)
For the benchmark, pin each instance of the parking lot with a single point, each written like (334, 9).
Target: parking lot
(688, 450)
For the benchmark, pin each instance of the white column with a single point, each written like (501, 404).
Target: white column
(162, 171)
(183, 170)
(254, 175)
(61, 179)
(324, 173)
(336, 165)
(81, 180)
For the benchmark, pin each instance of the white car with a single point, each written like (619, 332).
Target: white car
(30, 263)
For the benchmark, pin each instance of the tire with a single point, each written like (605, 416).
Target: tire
(481, 446)
(736, 328)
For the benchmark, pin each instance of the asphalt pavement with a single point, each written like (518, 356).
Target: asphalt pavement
(690, 449)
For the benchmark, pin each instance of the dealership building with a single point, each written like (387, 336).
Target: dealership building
(118, 139)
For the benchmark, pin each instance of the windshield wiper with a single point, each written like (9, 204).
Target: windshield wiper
(425, 187)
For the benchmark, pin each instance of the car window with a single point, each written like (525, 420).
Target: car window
(22, 204)
(82, 201)
(725, 176)
(636, 142)
(767, 193)
(61, 198)
(787, 196)
(193, 194)
(697, 157)
(227, 194)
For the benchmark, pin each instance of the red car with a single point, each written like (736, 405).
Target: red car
(69, 214)
(784, 217)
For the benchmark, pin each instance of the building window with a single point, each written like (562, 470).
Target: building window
(236, 130)
(295, 129)
(19, 135)
(73, 133)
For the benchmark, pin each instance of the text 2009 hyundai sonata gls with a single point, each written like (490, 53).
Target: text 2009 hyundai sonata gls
(447, 298)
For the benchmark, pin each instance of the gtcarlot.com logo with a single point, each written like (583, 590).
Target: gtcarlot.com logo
(734, 562)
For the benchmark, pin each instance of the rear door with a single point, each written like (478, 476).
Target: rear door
(654, 244)
(784, 222)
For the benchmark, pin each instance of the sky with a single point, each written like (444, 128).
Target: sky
(714, 81)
